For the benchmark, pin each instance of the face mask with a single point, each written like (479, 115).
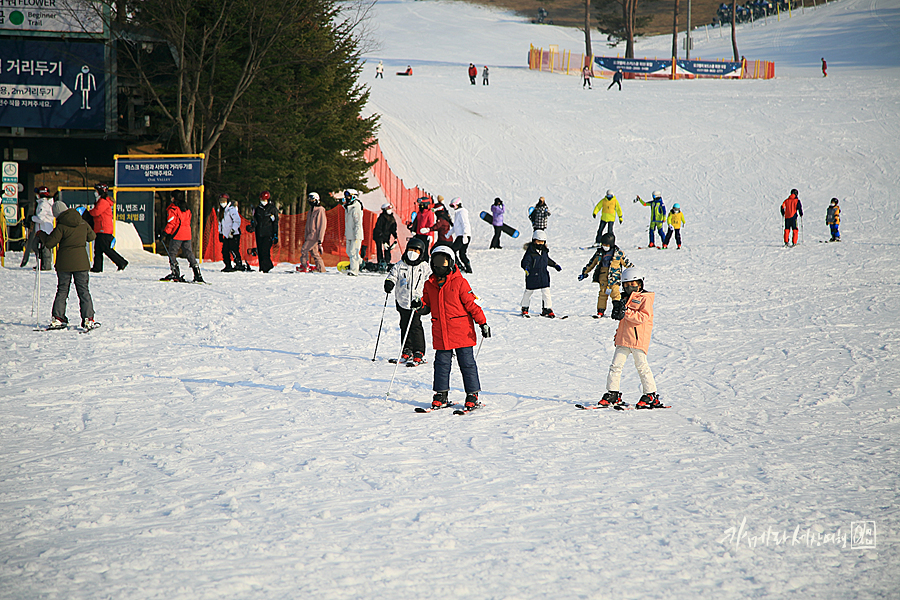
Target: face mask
(441, 270)
(412, 256)
(96, 196)
(223, 204)
(605, 248)
(390, 212)
(263, 202)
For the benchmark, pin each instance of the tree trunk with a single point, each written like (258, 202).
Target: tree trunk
(628, 8)
(675, 31)
(588, 48)
(737, 55)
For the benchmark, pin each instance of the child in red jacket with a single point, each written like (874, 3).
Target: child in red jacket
(451, 302)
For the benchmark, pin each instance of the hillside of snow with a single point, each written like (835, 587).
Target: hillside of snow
(236, 440)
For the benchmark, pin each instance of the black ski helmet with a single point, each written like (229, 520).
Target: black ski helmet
(416, 244)
(794, 192)
(608, 239)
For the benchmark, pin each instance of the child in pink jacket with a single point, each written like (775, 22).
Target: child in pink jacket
(635, 316)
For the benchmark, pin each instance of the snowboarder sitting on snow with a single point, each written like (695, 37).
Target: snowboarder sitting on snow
(607, 262)
(657, 217)
(632, 337)
(451, 302)
(833, 220)
(676, 222)
(409, 275)
(537, 277)
(609, 208)
(71, 234)
(790, 209)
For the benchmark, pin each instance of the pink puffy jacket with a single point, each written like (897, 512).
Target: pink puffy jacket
(637, 324)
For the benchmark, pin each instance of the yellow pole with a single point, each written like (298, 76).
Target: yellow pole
(200, 258)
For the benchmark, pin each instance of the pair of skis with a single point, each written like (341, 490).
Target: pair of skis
(622, 406)
(458, 411)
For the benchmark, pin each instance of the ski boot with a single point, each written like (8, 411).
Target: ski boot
(524, 311)
(649, 401)
(651, 245)
(173, 276)
(548, 312)
(89, 324)
(440, 400)
(600, 313)
(56, 323)
(679, 246)
(472, 402)
(198, 278)
(418, 358)
(610, 399)
(664, 246)
(229, 269)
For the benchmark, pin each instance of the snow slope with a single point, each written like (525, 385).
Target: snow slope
(235, 441)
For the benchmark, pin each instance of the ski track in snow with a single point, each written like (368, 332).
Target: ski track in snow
(234, 440)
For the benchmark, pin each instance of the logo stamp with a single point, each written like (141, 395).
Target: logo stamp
(862, 534)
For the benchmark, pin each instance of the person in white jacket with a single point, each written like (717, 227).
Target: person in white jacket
(230, 234)
(461, 232)
(42, 220)
(407, 279)
(353, 229)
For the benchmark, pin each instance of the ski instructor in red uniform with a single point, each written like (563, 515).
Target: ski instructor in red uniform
(790, 209)
(451, 302)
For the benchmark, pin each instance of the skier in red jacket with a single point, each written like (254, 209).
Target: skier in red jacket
(790, 209)
(451, 302)
(177, 236)
(103, 227)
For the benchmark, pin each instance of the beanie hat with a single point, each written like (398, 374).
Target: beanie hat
(59, 207)
(440, 199)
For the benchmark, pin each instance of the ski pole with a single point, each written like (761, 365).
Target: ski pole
(479, 347)
(402, 345)
(380, 325)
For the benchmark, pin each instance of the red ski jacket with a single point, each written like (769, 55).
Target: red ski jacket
(178, 223)
(791, 207)
(102, 213)
(453, 311)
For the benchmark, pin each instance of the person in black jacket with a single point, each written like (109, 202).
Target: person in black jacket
(265, 224)
(537, 277)
(385, 228)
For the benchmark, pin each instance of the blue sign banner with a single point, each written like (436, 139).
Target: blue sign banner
(641, 66)
(709, 68)
(52, 85)
(163, 172)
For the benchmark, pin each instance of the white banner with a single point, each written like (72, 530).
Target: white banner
(58, 16)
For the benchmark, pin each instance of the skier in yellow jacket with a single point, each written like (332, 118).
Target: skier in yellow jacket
(608, 207)
(676, 222)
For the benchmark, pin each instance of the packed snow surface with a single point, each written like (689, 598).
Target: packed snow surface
(235, 440)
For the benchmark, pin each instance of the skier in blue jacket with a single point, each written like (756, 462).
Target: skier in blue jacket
(537, 277)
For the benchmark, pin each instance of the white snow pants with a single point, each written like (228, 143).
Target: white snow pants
(545, 298)
(353, 248)
(640, 361)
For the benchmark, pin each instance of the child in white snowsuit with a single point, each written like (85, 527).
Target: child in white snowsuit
(409, 276)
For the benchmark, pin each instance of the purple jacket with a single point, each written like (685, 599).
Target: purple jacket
(497, 211)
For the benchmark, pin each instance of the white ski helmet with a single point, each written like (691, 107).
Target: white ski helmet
(539, 234)
(313, 196)
(609, 194)
(656, 194)
(632, 274)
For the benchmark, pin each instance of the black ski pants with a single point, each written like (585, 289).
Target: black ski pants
(103, 245)
(415, 339)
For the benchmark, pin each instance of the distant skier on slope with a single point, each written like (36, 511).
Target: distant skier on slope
(609, 208)
(790, 210)
(473, 73)
(539, 214)
(676, 222)
(607, 263)
(632, 337)
(449, 299)
(657, 217)
(833, 220)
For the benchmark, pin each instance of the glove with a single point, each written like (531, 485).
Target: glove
(485, 330)
(582, 277)
(620, 220)
(414, 304)
(221, 238)
(527, 273)
(274, 240)
(618, 311)
(249, 228)
(272, 217)
(636, 200)
(424, 230)
(558, 268)
(388, 286)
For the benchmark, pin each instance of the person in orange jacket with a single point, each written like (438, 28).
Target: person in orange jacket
(177, 236)
(635, 316)
(790, 209)
(449, 299)
(103, 227)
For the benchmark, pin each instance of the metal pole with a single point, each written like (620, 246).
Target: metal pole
(402, 344)
(688, 41)
(380, 325)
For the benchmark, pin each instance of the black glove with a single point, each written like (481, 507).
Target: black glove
(618, 311)
(221, 238)
(557, 267)
(414, 304)
(249, 228)
(274, 240)
(485, 331)
(388, 286)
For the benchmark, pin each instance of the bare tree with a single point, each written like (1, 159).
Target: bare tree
(588, 48)
(218, 49)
